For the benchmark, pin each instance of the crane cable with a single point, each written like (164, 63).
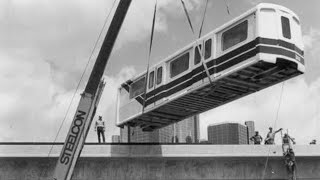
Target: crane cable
(203, 18)
(187, 14)
(202, 50)
(149, 57)
(82, 75)
(274, 124)
(200, 31)
(227, 6)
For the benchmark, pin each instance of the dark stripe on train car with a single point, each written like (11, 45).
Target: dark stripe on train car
(232, 54)
(234, 61)
(280, 43)
(278, 51)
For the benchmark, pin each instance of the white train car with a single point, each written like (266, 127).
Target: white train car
(258, 49)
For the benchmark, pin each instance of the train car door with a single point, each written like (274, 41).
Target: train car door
(150, 88)
(290, 31)
(197, 64)
(159, 82)
(208, 56)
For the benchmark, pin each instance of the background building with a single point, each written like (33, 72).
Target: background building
(182, 132)
(250, 127)
(229, 133)
(186, 129)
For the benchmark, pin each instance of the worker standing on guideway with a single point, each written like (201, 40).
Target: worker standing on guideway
(286, 143)
(271, 135)
(100, 127)
(256, 138)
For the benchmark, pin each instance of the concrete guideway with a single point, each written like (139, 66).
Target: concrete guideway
(155, 161)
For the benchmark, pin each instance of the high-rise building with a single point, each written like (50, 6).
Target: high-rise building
(162, 135)
(228, 133)
(185, 131)
(250, 127)
(115, 138)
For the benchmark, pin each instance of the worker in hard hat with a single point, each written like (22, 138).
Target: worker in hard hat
(100, 127)
(256, 138)
(286, 143)
(271, 135)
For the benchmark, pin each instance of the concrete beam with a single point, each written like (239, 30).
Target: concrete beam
(155, 161)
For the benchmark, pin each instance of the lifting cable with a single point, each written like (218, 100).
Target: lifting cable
(150, 48)
(82, 75)
(200, 31)
(225, 1)
(187, 14)
(203, 18)
(274, 125)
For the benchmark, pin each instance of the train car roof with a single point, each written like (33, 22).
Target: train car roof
(220, 28)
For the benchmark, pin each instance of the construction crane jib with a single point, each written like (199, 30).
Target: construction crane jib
(89, 100)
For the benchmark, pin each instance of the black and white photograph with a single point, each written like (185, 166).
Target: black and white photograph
(159, 90)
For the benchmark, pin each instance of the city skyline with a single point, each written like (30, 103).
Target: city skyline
(174, 133)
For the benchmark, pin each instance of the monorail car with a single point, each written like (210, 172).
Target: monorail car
(258, 49)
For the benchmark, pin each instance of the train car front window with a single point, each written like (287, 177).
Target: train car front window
(235, 35)
(151, 79)
(179, 65)
(159, 75)
(137, 87)
(286, 32)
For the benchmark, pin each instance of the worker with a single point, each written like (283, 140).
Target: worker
(313, 142)
(256, 138)
(286, 143)
(290, 162)
(100, 127)
(271, 135)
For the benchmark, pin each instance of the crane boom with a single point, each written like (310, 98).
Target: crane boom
(89, 100)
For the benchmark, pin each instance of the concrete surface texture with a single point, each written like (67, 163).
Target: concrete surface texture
(31, 161)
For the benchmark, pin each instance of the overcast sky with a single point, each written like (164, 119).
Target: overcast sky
(45, 44)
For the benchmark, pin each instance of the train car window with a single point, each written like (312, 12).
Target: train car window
(179, 65)
(137, 87)
(151, 80)
(159, 75)
(286, 32)
(207, 52)
(235, 35)
(197, 56)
